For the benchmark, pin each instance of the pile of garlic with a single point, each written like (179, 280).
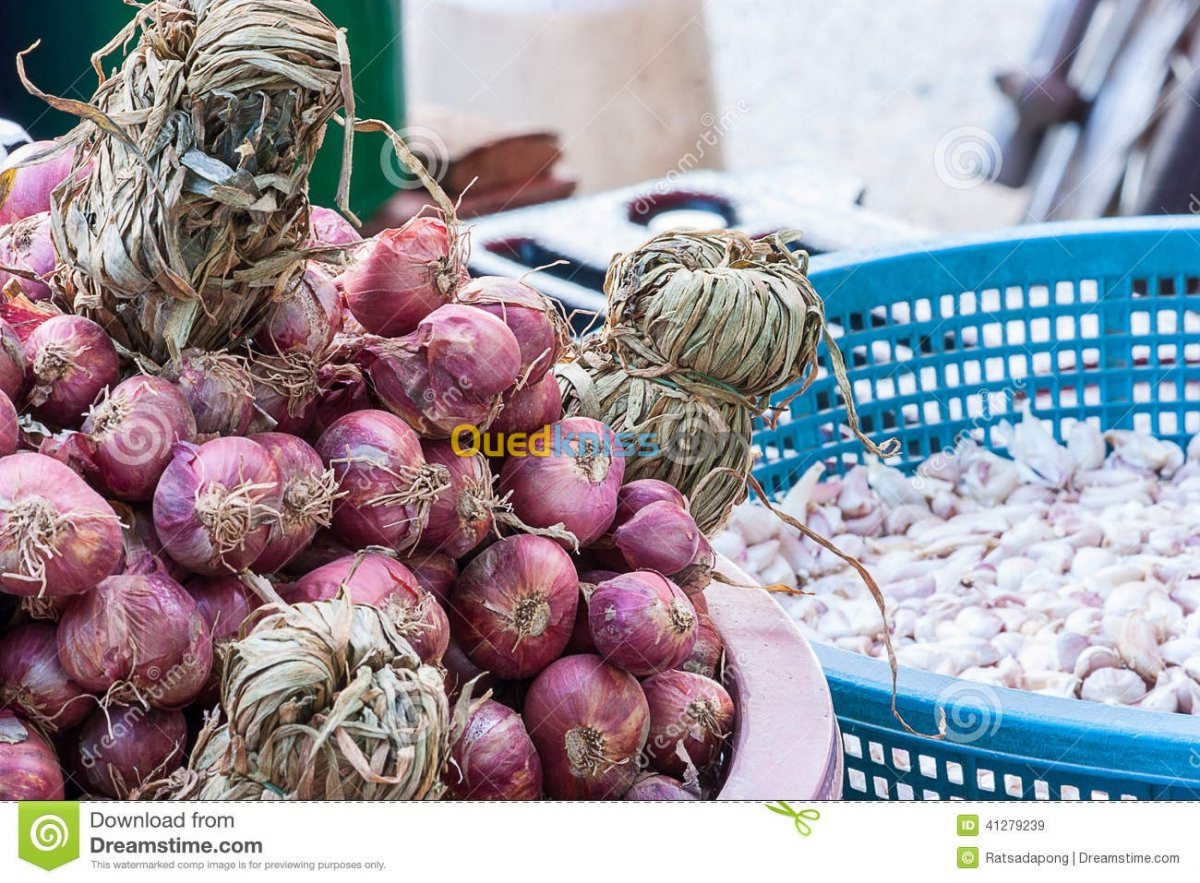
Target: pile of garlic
(1070, 570)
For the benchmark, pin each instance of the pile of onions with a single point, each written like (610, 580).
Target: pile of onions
(691, 716)
(589, 721)
(534, 319)
(216, 503)
(28, 765)
(575, 485)
(25, 189)
(121, 748)
(642, 622)
(33, 681)
(461, 516)
(514, 606)
(58, 537)
(401, 276)
(494, 758)
(12, 362)
(387, 485)
(308, 490)
(219, 388)
(450, 372)
(26, 246)
(387, 585)
(137, 637)
(132, 431)
(69, 360)
(306, 319)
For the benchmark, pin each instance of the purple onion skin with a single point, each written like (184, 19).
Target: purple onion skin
(219, 388)
(514, 606)
(29, 767)
(69, 360)
(642, 622)
(10, 433)
(370, 452)
(656, 786)
(589, 722)
(27, 192)
(129, 746)
(327, 227)
(460, 671)
(143, 630)
(12, 362)
(300, 470)
(686, 710)
(401, 276)
(435, 572)
(88, 544)
(461, 516)
(144, 552)
(494, 758)
(637, 495)
(132, 433)
(578, 491)
(306, 319)
(26, 244)
(323, 550)
(708, 651)
(531, 407)
(33, 681)
(527, 313)
(214, 468)
(224, 602)
(581, 635)
(661, 536)
(344, 392)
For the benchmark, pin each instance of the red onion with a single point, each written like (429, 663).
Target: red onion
(26, 245)
(306, 319)
(662, 536)
(343, 391)
(121, 748)
(308, 494)
(137, 636)
(58, 537)
(514, 605)
(461, 516)
(581, 635)
(327, 227)
(531, 407)
(25, 190)
(637, 495)
(224, 602)
(575, 485)
(29, 767)
(655, 786)
(696, 577)
(589, 722)
(220, 390)
(12, 362)
(435, 572)
(388, 485)
(494, 758)
(460, 671)
(144, 551)
(689, 715)
(642, 622)
(132, 431)
(534, 319)
(10, 432)
(448, 373)
(709, 650)
(384, 583)
(215, 504)
(285, 390)
(33, 682)
(69, 360)
(401, 276)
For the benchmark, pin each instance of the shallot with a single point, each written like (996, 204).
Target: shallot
(306, 319)
(308, 491)
(534, 319)
(691, 716)
(33, 682)
(25, 189)
(494, 758)
(120, 748)
(530, 407)
(69, 360)
(27, 255)
(29, 767)
(642, 622)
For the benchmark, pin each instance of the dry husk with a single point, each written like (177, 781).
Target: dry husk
(195, 212)
(323, 701)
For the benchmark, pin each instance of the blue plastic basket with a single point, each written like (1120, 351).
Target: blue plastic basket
(1097, 322)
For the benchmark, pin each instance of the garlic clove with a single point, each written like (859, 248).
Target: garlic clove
(1095, 658)
(1138, 645)
(1113, 686)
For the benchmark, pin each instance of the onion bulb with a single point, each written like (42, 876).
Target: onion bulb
(436, 572)
(589, 721)
(219, 388)
(691, 716)
(494, 758)
(535, 320)
(661, 536)
(26, 245)
(215, 504)
(656, 786)
(306, 319)
(461, 516)
(33, 682)
(123, 747)
(642, 622)
(25, 189)
(708, 651)
(69, 360)
(308, 492)
(637, 495)
(514, 606)
(12, 362)
(529, 408)
(29, 767)
(327, 227)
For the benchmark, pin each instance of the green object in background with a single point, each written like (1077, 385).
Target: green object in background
(71, 30)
